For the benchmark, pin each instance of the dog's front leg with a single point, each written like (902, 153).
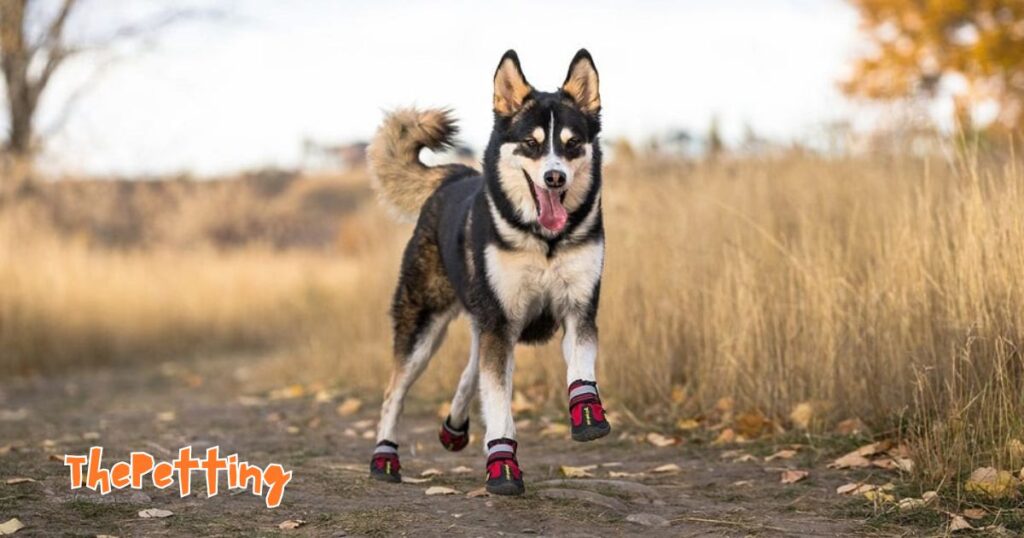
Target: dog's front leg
(496, 367)
(579, 347)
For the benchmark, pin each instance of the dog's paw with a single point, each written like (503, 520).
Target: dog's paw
(384, 464)
(503, 474)
(586, 414)
(453, 439)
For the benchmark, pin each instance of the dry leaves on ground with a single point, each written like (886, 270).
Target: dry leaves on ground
(668, 468)
(11, 526)
(18, 480)
(992, 483)
(662, 441)
(290, 524)
(431, 472)
(578, 472)
(781, 455)
(411, 480)
(155, 513)
(441, 490)
(479, 492)
(802, 415)
(350, 406)
(793, 476)
(958, 523)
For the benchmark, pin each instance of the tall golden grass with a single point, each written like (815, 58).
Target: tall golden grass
(885, 288)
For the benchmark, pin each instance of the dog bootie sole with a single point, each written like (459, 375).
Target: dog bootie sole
(453, 439)
(586, 414)
(503, 474)
(384, 465)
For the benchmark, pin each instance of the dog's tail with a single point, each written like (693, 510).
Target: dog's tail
(401, 180)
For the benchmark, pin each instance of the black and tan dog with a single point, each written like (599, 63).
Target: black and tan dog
(518, 248)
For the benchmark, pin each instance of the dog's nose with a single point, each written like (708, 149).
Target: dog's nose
(554, 179)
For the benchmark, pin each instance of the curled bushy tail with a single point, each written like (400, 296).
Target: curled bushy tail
(398, 176)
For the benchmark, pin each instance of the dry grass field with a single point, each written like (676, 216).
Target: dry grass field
(887, 289)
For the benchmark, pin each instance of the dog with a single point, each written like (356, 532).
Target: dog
(518, 247)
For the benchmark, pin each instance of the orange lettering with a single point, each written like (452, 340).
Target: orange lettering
(185, 464)
(119, 474)
(212, 464)
(76, 463)
(162, 475)
(142, 464)
(276, 480)
(98, 477)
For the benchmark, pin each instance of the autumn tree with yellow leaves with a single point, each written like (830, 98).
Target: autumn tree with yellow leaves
(972, 50)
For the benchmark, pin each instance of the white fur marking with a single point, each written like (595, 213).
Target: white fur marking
(469, 380)
(496, 401)
(580, 353)
(411, 370)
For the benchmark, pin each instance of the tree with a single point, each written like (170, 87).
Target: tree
(34, 45)
(970, 49)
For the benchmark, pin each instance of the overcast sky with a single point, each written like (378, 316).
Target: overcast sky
(220, 96)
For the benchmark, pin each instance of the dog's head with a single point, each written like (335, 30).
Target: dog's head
(546, 141)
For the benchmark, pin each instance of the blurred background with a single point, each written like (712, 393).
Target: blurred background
(810, 205)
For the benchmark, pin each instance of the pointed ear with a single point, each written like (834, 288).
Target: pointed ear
(582, 82)
(510, 86)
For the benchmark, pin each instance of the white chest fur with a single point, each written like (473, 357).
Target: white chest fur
(525, 280)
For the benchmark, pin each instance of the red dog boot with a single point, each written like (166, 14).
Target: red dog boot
(384, 464)
(503, 474)
(586, 414)
(452, 438)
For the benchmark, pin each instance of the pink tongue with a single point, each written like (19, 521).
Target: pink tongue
(552, 212)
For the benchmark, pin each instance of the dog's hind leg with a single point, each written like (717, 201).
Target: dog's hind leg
(454, 432)
(496, 366)
(423, 305)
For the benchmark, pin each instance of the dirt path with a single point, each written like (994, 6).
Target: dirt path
(160, 409)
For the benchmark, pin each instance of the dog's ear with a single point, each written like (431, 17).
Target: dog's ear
(581, 83)
(510, 86)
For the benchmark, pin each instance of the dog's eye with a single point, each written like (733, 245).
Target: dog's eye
(531, 143)
(573, 143)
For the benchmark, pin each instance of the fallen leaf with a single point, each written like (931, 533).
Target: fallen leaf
(11, 526)
(853, 460)
(801, 415)
(461, 469)
(911, 503)
(753, 425)
(724, 405)
(781, 455)
(441, 490)
(725, 437)
(975, 513)
(166, 416)
(687, 424)
(851, 426)
(18, 480)
(90, 436)
(793, 476)
(743, 458)
(872, 449)
(577, 472)
(855, 488)
(879, 496)
(291, 524)
(740, 483)
(667, 468)
(286, 393)
(991, 482)
(660, 440)
(411, 480)
(479, 492)
(930, 496)
(350, 406)
(958, 523)
(155, 513)
(431, 472)
(292, 430)
(678, 395)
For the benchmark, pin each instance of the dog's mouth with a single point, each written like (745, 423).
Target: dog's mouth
(551, 211)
